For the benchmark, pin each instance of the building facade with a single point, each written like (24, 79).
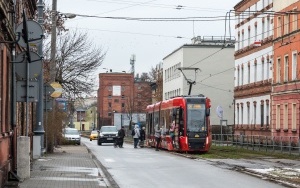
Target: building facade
(10, 127)
(286, 82)
(213, 79)
(253, 67)
(121, 93)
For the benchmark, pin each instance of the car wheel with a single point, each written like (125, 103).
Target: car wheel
(99, 143)
(90, 139)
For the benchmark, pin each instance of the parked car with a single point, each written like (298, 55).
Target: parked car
(71, 135)
(107, 134)
(94, 135)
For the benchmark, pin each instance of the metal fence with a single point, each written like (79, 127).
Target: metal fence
(283, 144)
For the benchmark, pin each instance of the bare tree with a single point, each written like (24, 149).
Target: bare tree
(156, 76)
(129, 109)
(77, 60)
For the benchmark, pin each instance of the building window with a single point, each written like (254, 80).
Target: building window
(249, 74)
(262, 70)
(123, 105)
(286, 68)
(262, 29)
(238, 116)
(248, 114)
(268, 27)
(139, 95)
(294, 66)
(295, 21)
(279, 27)
(239, 42)
(294, 117)
(268, 68)
(278, 72)
(262, 115)
(278, 116)
(139, 87)
(109, 104)
(123, 88)
(242, 76)
(109, 113)
(123, 96)
(286, 24)
(109, 88)
(255, 32)
(116, 100)
(109, 96)
(254, 114)
(249, 37)
(243, 38)
(267, 114)
(242, 115)
(255, 72)
(238, 77)
(285, 117)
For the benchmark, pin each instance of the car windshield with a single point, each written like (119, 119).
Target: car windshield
(109, 129)
(94, 132)
(71, 131)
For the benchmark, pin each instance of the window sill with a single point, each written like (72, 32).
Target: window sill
(278, 130)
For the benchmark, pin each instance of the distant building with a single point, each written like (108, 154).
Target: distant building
(121, 93)
(213, 56)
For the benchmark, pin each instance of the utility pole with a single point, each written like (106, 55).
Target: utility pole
(39, 128)
(53, 42)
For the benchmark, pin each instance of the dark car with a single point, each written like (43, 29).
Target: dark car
(107, 134)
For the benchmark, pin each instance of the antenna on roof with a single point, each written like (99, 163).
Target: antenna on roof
(132, 60)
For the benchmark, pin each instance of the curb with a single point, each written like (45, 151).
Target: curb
(107, 177)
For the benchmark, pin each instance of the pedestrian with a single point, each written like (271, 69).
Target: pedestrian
(120, 138)
(157, 136)
(172, 132)
(136, 135)
(142, 137)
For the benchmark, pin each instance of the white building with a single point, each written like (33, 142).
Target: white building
(215, 59)
(253, 66)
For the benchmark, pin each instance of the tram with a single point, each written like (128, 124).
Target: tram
(191, 115)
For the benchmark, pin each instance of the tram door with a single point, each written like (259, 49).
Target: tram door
(177, 116)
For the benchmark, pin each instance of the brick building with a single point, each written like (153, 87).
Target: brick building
(121, 93)
(286, 83)
(11, 119)
(253, 67)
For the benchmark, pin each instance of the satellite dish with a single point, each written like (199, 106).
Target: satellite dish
(219, 112)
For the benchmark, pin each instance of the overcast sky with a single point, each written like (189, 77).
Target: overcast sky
(149, 41)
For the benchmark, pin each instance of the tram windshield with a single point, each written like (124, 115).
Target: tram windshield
(196, 118)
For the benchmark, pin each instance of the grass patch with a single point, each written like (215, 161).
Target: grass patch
(231, 152)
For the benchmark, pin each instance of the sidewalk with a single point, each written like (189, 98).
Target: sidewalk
(68, 167)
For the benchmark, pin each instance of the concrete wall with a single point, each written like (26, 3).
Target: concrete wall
(215, 80)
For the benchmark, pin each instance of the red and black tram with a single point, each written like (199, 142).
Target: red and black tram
(192, 123)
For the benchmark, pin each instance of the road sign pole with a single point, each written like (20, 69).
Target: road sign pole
(39, 128)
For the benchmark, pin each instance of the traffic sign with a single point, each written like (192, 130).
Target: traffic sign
(219, 111)
(57, 89)
(35, 66)
(35, 33)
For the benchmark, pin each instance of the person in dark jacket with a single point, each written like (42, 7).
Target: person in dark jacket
(142, 137)
(120, 139)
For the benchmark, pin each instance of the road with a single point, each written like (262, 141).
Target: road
(145, 167)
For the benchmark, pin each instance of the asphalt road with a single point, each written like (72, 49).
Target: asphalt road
(145, 167)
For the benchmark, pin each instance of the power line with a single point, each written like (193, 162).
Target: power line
(133, 33)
